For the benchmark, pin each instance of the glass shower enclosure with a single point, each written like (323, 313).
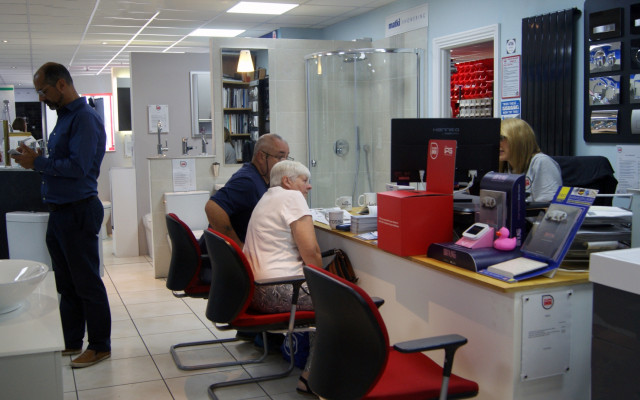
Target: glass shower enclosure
(352, 96)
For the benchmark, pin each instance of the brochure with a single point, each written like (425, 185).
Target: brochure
(550, 239)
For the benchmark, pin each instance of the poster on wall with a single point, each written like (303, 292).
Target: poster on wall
(510, 77)
(158, 118)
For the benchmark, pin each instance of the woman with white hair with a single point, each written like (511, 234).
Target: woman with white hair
(280, 239)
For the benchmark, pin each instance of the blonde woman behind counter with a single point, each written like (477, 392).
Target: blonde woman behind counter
(520, 154)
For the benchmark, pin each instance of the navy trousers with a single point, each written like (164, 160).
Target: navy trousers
(72, 240)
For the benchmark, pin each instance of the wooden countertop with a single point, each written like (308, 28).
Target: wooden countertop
(561, 278)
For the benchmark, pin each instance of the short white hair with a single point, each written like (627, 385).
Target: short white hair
(290, 169)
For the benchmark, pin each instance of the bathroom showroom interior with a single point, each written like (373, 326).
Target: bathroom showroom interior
(329, 75)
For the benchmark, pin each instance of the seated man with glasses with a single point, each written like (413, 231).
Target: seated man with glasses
(229, 210)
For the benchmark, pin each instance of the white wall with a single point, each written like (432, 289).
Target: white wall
(158, 78)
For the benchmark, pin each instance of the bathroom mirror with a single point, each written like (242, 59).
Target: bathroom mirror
(201, 121)
(245, 102)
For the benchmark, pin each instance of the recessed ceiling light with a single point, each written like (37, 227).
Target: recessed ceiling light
(248, 7)
(104, 42)
(5, 41)
(217, 32)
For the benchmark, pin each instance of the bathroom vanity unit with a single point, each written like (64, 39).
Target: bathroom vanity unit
(30, 348)
(20, 192)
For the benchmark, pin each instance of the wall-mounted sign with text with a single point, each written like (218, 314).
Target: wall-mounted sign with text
(405, 21)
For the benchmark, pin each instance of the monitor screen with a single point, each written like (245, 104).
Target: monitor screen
(478, 144)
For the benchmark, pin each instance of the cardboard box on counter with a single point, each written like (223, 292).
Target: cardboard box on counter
(408, 222)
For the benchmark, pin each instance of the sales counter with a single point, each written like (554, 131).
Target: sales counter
(517, 348)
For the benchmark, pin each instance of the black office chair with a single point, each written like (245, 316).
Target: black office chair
(592, 172)
(352, 358)
(189, 269)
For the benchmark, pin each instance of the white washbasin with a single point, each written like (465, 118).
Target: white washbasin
(18, 278)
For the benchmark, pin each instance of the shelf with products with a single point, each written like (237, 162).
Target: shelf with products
(259, 103)
(236, 107)
(472, 89)
(612, 65)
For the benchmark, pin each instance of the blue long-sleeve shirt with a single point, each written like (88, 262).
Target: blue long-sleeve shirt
(76, 148)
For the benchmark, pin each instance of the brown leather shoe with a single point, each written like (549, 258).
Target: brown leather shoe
(71, 352)
(89, 357)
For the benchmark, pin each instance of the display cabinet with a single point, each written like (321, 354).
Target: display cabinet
(612, 71)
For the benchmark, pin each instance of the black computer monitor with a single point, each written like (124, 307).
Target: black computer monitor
(478, 145)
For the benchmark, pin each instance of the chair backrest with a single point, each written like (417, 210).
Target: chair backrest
(593, 172)
(351, 345)
(186, 261)
(231, 279)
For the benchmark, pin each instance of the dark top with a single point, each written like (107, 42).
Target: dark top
(240, 195)
(76, 148)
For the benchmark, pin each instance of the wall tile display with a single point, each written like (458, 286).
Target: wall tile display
(612, 71)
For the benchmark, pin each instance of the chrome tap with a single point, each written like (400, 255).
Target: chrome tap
(161, 149)
(204, 143)
(185, 146)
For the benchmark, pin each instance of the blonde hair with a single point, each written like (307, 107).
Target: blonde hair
(522, 145)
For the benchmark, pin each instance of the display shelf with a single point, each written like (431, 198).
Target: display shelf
(612, 71)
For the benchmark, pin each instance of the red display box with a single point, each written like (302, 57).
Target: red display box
(409, 221)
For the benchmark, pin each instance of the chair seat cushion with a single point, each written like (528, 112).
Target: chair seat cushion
(268, 321)
(408, 374)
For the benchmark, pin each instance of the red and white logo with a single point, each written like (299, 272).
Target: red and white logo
(547, 301)
(433, 152)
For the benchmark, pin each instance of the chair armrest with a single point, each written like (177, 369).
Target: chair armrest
(450, 343)
(280, 280)
(432, 343)
(378, 301)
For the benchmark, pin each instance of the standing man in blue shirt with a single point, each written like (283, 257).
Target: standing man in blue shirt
(76, 147)
(229, 210)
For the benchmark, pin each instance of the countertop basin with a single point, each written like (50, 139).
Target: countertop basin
(18, 278)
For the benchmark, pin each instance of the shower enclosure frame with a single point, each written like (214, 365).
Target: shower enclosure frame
(333, 187)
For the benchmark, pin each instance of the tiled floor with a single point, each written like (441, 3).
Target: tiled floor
(147, 319)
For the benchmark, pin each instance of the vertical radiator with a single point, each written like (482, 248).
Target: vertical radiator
(548, 78)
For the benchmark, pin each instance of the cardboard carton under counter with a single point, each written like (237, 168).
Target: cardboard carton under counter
(408, 222)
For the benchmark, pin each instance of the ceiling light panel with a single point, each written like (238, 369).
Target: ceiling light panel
(217, 32)
(248, 7)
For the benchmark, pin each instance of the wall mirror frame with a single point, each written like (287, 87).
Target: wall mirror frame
(244, 103)
(201, 111)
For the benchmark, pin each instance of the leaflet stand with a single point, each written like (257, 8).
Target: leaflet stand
(551, 239)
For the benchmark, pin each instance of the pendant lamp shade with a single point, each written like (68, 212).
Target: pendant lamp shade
(245, 64)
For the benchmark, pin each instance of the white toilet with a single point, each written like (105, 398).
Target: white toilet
(26, 234)
(107, 214)
(189, 207)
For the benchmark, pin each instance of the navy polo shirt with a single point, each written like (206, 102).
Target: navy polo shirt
(240, 195)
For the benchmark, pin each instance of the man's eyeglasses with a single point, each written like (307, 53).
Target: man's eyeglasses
(279, 158)
(43, 91)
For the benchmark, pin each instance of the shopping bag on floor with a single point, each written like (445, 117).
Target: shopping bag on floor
(300, 348)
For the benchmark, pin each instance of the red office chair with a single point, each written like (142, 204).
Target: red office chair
(189, 270)
(232, 286)
(352, 358)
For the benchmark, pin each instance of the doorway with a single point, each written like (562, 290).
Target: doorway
(470, 46)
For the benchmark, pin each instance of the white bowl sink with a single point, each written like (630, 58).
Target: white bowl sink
(18, 278)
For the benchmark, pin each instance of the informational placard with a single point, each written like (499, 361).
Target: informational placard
(184, 174)
(627, 167)
(158, 116)
(546, 334)
(510, 77)
(510, 109)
